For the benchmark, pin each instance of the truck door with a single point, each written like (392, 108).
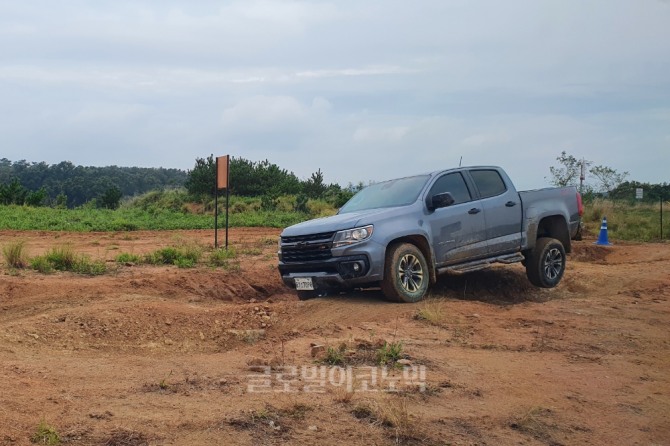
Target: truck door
(459, 230)
(502, 211)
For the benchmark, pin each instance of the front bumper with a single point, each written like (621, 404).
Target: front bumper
(335, 273)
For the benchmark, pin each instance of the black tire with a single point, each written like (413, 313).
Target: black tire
(545, 264)
(406, 275)
(306, 295)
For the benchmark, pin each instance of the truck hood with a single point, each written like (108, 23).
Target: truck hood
(340, 222)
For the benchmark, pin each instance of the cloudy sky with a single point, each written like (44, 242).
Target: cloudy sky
(364, 90)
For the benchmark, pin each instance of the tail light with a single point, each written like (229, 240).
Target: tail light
(580, 204)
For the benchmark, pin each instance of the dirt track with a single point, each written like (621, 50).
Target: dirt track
(162, 355)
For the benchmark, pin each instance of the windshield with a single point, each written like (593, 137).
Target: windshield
(400, 192)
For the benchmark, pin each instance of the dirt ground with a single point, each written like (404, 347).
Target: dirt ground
(170, 356)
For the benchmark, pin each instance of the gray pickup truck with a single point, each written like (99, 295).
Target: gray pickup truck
(401, 234)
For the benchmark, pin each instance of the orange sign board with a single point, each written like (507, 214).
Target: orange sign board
(222, 172)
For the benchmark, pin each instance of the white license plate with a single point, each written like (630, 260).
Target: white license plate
(304, 283)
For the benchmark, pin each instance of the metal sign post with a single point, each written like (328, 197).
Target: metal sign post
(221, 181)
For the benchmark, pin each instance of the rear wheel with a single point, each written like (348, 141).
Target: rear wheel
(545, 264)
(406, 273)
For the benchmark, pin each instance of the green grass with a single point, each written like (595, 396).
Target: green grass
(626, 221)
(41, 264)
(126, 257)
(124, 219)
(184, 256)
(334, 356)
(169, 211)
(389, 353)
(222, 256)
(45, 434)
(63, 258)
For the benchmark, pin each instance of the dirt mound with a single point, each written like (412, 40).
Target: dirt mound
(583, 252)
(499, 285)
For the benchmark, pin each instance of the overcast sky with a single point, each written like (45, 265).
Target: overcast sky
(364, 90)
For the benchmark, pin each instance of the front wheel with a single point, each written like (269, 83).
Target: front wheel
(406, 274)
(545, 264)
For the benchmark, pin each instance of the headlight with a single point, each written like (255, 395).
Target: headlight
(351, 236)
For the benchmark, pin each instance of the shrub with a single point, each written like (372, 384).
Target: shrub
(191, 252)
(91, 268)
(301, 204)
(41, 264)
(389, 353)
(14, 254)
(269, 202)
(222, 256)
(165, 256)
(184, 262)
(45, 434)
(320, 208)
(185, 256)
(334, 356)
(62, 258)
(431, 312)
(126, 257)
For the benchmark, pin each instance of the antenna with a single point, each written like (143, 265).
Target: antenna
(461, 161)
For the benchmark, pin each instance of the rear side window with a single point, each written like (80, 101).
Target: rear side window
(488, 182)
(453, 183)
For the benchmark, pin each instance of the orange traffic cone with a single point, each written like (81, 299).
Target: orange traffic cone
(602, 238)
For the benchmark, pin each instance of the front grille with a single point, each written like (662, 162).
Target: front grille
(307, 248)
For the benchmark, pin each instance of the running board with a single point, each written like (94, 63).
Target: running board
(481, 264)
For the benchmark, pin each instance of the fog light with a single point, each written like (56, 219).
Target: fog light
(357, 267)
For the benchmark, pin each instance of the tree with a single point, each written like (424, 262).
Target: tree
(36, 198)
(314, 187)
(111, 198)
(567, 174)
(61, 201)
(301, 204)
(254, 179)
(200, 180)
(13, 193)
(608, 178)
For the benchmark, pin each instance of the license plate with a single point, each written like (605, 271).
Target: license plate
(304, 283)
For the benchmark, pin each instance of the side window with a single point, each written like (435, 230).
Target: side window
(453, 183)
(488, 182)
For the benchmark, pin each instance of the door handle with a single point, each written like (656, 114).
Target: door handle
(509, 204)
(474, 211)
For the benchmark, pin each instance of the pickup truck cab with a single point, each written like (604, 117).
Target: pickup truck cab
(401, 234)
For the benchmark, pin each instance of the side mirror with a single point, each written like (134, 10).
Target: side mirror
(441, 201)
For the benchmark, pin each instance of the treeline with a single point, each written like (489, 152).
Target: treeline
(65, 184)
(267, 180)
(650, 192)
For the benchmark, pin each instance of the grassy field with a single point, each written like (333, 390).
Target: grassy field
(639, 222)
(626, 221)
(84, 220)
